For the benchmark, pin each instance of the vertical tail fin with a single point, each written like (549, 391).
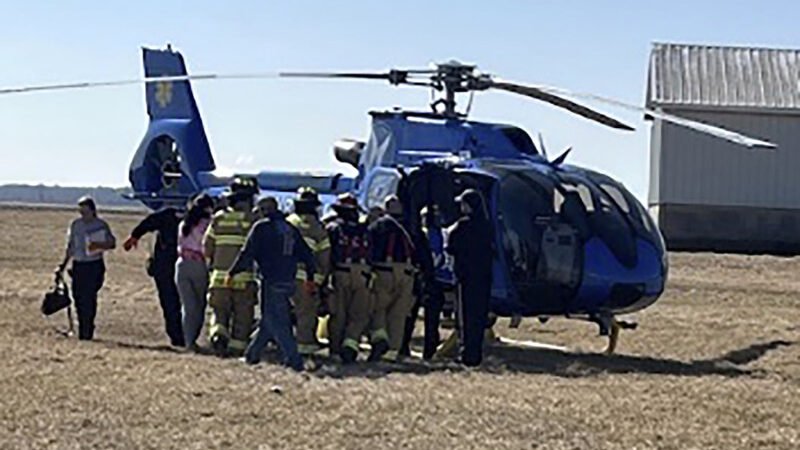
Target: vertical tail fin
(175, 148)
(168, 100)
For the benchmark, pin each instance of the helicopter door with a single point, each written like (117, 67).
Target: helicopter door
(430, 191)
(429, 186)
(542, 228)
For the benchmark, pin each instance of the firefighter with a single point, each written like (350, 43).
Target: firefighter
(161, 265)
(306, 219)
(470, 243)
(277, 247)
(350, 302)
(232, 306)
(390, 258)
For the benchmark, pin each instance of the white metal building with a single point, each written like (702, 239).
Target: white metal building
(707, 193)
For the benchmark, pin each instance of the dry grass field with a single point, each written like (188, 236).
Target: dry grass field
(714, 364)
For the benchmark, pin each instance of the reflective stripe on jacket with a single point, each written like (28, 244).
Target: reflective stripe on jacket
(316, 238)
(224, 239)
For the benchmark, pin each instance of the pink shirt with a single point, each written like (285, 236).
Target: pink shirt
(191, 246)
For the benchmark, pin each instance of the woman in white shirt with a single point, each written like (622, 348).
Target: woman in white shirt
(191, 274)
(87, 239)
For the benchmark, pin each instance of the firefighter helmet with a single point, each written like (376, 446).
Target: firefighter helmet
(346, 201)
(242, 189)
(307, 195)
(244, 186)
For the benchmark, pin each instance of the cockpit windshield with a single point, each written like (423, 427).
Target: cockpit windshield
(633, 210)
(545, 218)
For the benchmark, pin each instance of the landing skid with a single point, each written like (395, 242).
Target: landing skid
(610, 326)
(531, 344)
(449, 348)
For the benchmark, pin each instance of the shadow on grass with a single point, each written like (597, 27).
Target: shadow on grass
(753, 352)
(501, 358)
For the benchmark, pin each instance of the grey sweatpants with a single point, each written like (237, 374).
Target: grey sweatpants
(191, 277)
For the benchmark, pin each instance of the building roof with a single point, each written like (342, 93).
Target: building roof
(722, 77)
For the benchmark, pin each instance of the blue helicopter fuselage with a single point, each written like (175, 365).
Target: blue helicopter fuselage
(568, 241)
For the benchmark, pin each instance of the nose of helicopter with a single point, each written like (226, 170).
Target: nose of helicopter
(609, 285)
(586, 246)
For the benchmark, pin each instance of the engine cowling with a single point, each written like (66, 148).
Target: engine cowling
(348, 151)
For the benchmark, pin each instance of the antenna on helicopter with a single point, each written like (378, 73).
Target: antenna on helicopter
(542, 147)
(559, 160)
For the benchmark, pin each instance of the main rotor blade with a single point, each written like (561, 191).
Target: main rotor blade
(360, 75)
(145, 80)
(393, 76)
(555, 99)
(702, 127)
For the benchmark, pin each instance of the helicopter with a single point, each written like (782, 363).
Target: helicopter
(570, 242)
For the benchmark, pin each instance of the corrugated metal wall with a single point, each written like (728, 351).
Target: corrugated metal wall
(692, 168)
(723, 76)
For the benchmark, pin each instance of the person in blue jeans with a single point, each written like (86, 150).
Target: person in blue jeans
(276, 247)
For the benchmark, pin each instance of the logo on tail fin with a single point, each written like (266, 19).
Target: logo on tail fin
(163, 93)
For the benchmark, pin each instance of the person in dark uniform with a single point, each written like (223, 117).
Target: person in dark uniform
(435, 278)
(162, 265)
(470, 243)
(424, 281)
(276, 247)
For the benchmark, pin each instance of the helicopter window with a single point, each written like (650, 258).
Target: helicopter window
(645, 218)
(643, 222)
(641, 217)
(617, 196)
(605, 219)
(634, 210)
(583, 191)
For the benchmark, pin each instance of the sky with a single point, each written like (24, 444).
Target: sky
(87, 137)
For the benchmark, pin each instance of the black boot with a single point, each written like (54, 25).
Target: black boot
(378, 350)
(220, 345)
(348, 355)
